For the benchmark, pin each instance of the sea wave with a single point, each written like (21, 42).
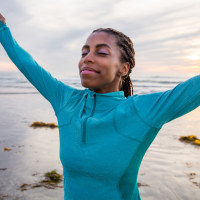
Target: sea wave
(10, 83)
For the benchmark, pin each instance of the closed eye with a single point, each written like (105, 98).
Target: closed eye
(102, 53)
(98, 53)
(84, 54)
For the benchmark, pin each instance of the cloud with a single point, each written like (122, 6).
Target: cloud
(53, 31)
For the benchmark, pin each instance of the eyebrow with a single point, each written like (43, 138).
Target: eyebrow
(97, 46)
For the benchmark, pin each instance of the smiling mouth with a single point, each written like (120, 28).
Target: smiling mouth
(88, 70)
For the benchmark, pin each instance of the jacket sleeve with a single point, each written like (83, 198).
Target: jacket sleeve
(156, 109)
(52, 89)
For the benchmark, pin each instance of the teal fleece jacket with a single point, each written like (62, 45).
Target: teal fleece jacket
(103, 137)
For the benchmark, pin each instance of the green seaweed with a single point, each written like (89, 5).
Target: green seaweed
(53, 177)
(51, 181)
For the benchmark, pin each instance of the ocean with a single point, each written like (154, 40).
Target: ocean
(170, 169)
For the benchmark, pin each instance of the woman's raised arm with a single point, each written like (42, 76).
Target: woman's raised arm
(156, 109)
(52, 89)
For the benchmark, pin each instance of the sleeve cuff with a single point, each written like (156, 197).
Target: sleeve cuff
(2, 25)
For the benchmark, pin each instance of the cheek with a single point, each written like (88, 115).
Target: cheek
(114, 68)
(110, 73)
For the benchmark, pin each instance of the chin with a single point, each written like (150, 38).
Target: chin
(88, 84)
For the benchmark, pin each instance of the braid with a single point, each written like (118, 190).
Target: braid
(127, 55)
(127, 86)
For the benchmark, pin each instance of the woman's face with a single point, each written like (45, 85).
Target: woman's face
(100, 64)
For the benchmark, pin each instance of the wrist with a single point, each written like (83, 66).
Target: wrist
(2, 24)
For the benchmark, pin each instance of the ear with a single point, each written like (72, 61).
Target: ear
(124, 68)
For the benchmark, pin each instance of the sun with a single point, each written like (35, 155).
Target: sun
(195, 56)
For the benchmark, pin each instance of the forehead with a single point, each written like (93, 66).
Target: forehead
(101, 38)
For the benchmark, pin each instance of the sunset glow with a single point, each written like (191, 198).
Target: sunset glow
(7, 66)
(165, 35)
(195, 56)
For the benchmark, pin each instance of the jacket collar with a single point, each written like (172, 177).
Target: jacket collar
(119, 94)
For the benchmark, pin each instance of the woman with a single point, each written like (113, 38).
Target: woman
(104, 131)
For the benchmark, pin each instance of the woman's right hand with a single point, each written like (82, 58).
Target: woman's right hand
(2, 19)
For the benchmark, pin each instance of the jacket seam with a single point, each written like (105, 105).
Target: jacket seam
(62, 108)
(141, 146)
(141, 118)
(123, 135)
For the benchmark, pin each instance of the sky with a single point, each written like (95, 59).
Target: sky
(166, 34)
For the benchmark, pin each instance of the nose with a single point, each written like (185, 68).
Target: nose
(89, 58)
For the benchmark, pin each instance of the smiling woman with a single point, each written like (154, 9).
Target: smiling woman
(104, 54)
(104, 130)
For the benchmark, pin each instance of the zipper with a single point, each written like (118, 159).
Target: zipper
(85, 121)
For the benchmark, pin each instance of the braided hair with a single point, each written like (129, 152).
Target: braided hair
(127, 55)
